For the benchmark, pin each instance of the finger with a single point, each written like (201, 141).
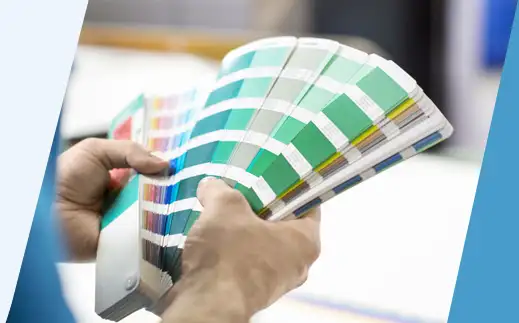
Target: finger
(124, 154)
(215, 195)
(308, 229)
(313, 216)
(310, 223)
(81, 229)
(205, 189)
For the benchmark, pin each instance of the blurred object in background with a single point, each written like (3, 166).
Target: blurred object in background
(471, 86)
(286, 16)
(499, 17)
(209, 44)
(209, 14)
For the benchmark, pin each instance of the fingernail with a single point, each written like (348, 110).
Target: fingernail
(207, 179)
(201, 186)
(157, 154)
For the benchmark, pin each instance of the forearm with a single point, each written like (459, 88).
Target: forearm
(206, 299)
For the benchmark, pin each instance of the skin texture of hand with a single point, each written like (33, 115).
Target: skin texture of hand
(235, 264)
(83, 179)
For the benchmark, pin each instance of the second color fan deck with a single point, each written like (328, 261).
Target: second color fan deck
(289, 122)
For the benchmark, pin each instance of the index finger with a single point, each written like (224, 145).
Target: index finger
(123, 154)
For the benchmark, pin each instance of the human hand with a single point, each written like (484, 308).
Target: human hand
(235, 264)
(83, 181)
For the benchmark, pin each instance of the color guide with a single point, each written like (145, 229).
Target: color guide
(289, 122)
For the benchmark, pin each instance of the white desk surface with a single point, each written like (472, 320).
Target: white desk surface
(400, 254)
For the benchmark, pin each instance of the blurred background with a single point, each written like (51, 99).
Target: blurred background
(391, 261)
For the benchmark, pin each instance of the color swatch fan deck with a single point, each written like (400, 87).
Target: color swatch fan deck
(289, 122)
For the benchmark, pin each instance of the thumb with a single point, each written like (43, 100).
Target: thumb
(309, 224)
(218, 197)
(123, 154)
(305, 233)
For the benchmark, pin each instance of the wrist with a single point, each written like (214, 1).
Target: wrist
(209, 297)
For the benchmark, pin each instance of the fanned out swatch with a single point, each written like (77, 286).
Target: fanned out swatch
(289, 122)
